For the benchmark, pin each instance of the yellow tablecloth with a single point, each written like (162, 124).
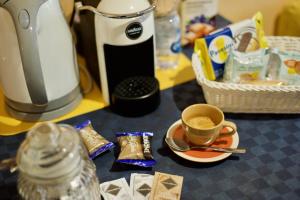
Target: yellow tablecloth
(93, 100)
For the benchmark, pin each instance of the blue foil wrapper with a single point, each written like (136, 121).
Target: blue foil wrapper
(135, 148)
(93, 141)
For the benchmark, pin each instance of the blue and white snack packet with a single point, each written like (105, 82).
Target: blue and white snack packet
(93, 141)
(135, 148)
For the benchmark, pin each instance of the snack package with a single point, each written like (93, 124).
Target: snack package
(197, 19)
(135, 148)
(290, 67)
(246, 66)
(213, 50)
(200, 27)
(93, 141)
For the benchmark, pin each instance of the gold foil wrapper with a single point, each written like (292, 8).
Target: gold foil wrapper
(131, 147)
(91, 139)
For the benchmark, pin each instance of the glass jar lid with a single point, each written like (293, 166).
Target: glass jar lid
(49, 151)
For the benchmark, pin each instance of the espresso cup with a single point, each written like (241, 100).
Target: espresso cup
(202, 124)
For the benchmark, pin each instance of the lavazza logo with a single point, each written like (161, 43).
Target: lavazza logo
(134, 30)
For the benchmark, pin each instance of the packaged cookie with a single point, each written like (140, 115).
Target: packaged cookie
(246, 67)
(197, 19)
(214, 49)
(93, 141)
(135, 148)
(290, 67)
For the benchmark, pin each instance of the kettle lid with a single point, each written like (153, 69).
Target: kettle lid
(122, 7)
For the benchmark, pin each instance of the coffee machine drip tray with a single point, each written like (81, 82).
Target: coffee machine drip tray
(136, 96)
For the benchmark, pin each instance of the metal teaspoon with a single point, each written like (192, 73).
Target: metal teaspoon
(181, 145)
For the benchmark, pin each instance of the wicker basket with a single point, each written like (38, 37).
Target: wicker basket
(246, 98)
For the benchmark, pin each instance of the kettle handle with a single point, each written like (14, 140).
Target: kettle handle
(24, 14)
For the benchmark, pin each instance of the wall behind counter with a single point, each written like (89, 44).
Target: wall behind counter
(236, 10)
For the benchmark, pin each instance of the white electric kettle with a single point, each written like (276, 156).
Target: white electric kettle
(38, 68)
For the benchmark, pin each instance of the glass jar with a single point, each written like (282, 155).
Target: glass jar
(54, 164)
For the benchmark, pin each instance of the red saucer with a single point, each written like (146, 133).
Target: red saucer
(199, 155)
